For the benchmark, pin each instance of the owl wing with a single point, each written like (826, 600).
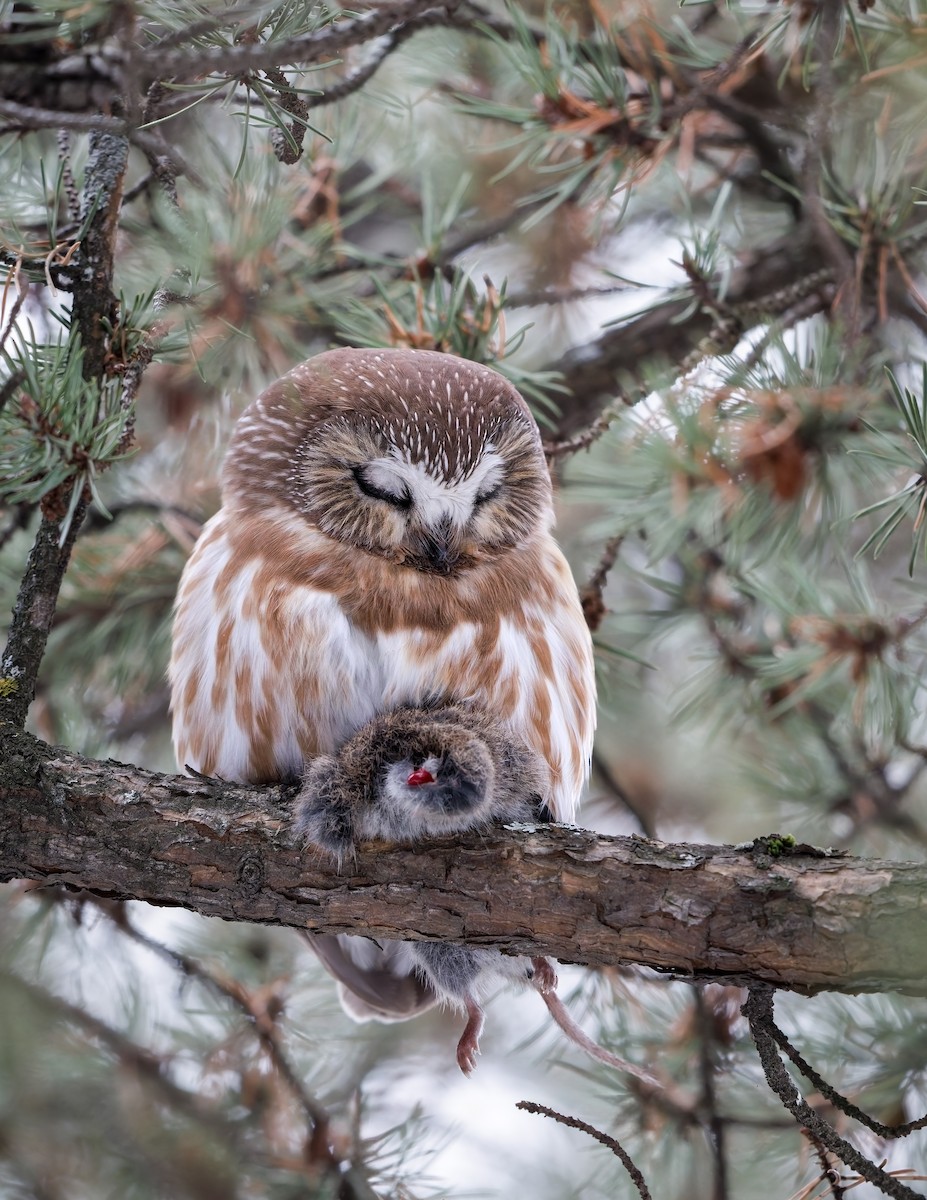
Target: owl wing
(265, 672)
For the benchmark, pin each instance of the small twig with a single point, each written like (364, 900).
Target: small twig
(829, 1092)
(555, 295)
(135, 368)
(603, 1138)
(758, 1010)
(590, 595)
(34, 611)
(96, 520)
(830, 1174)
(11, 323)
(242, 57)
(586, 437)
(605, 773)
(67, 175)
(146, 1063)
(25, 116)
(805, 308)
(389, 43)
(811, 173)
(230, 989)
(707, 1068)
(10, 385)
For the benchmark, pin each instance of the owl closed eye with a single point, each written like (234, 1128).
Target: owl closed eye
(368, 483)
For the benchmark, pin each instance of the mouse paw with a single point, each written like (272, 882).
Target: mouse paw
(469, 1045)
(321, 817)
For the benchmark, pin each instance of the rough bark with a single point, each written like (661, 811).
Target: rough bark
(797, 920)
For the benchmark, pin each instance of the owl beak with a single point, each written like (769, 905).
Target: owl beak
(441, 555)
(441, 548)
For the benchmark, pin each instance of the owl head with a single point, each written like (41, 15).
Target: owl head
(426, 459)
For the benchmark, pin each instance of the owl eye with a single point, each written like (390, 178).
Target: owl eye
(398, 500)
(485, 496)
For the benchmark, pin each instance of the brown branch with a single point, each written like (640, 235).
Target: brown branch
(708, 1068)
(143, 1062)
(245, 57)
(355, 79)
(830, 1173)
(614, 366)
(801, 920)
(28, 116)
(262, 1015)
(95, 315)
(639, 811)
(759, 1012)
(603, 1139)
(591, 594)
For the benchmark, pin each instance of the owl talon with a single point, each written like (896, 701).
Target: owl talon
(545, 977)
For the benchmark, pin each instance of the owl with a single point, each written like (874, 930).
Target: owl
(384, 539)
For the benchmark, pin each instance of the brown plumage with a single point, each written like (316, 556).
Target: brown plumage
(384, 540)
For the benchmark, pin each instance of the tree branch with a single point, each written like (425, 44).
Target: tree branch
(95, 313)
(611, 367)
(802, 920)
(758, 1010)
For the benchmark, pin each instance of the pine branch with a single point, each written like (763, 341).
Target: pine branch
(600, 372)
(29, 116)
(759, 1012)
(604, 1139)
(63, 509)
(263, 1014)
(800, 920)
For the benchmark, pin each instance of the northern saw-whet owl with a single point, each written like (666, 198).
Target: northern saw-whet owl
(384, 540)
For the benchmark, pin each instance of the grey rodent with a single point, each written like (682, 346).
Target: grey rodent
(416, 773)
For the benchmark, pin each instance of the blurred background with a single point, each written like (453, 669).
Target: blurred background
(694, 237)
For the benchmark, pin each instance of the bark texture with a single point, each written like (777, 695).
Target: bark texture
(799, 920)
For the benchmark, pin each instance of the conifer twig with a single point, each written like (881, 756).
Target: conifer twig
(238, 58)
(603, 1139)
(260, 1016)
(591, 593)
(95, 312)
(148, 1064)
(28, 116)
(758, 1010)
(829, 1092)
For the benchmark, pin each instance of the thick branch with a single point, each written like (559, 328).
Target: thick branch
(798, 921)
(613, 365)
